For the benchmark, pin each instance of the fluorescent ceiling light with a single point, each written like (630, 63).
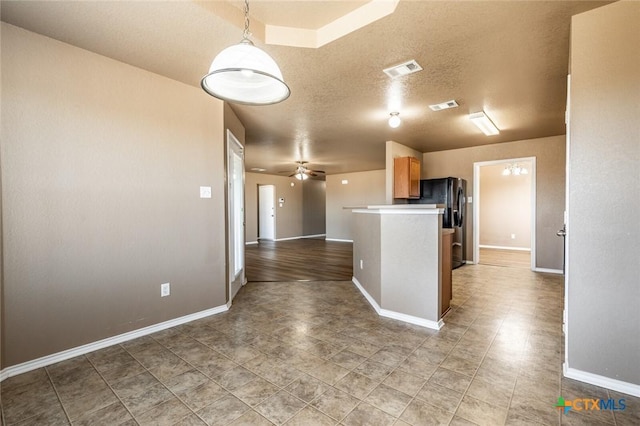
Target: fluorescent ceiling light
(484, 123)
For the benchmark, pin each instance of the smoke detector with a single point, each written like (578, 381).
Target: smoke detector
(403, 69)
(444, 105)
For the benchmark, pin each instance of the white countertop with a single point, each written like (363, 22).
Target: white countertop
(422, 209)
(405, 206)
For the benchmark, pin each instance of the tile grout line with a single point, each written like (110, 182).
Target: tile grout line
(55, 389)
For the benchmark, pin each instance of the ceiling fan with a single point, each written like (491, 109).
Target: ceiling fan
(301, 171)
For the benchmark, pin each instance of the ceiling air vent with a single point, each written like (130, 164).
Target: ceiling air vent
(444, 105)
(405, 68)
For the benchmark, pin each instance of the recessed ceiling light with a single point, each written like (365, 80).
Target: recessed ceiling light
(444, 105)
(403, 69)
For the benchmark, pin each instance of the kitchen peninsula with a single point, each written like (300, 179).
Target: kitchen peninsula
(397, 261)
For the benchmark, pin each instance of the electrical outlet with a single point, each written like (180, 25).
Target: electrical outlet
(361, 264)
(513, 236)
(165, 289)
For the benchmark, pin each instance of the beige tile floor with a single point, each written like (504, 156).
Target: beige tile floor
(317, 354)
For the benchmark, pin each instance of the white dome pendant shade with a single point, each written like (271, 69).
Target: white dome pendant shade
(245, 74)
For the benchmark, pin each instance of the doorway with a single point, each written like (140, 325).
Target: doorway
(235, 194)
(266, 212)
(504, 212)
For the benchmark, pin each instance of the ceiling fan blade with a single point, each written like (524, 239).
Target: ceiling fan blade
(292, 175)
(309, 173)
(316, 171)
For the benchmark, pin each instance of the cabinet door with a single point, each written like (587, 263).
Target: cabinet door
(414, 178)
(406, 177)
(401, 177)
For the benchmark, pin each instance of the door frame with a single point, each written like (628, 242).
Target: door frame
(235, 247)
(476, 204)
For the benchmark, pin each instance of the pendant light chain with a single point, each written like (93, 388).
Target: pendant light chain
(246, 33)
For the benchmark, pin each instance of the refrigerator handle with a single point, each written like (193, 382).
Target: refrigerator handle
(460, 213)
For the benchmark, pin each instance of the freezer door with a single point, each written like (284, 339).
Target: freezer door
(458, 216)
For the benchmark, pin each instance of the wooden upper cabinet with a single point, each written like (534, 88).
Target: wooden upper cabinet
(406, 177)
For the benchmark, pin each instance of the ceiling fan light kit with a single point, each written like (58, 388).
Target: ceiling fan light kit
(245, 74)
(301, 171)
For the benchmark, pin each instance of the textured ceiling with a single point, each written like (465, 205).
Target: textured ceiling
(509, 59)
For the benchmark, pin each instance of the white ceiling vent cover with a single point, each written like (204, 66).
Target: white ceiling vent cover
(405, 68)
(444, 105)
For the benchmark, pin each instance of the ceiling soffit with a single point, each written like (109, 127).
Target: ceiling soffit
(340, 19)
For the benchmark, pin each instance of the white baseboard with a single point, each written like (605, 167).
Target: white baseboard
(288, 238)
(602, 381)
(299, 237)
(249, 243)
(549, 271)
(434, 325)
(110, 341)
(504, 247)
(338, 240)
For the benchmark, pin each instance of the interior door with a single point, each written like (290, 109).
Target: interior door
(267, 212)
(235, 194)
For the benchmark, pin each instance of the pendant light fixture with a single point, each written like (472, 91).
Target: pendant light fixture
(245, 74)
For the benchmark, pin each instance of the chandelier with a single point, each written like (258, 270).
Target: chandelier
(515, 169)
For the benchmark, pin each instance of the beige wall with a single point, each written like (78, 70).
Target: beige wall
(550, 186)
(603, 231)
(363, 189)
(101, 168)
(367, 248)
(505, 207)
(314, 207)
(288, 217)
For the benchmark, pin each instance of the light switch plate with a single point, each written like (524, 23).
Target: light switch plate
(205, 192)
(165, 289)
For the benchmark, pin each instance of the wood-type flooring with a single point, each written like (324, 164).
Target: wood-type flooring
(511, 258)
(306, 259)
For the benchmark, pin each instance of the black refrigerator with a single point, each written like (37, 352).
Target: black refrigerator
(452, 192)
